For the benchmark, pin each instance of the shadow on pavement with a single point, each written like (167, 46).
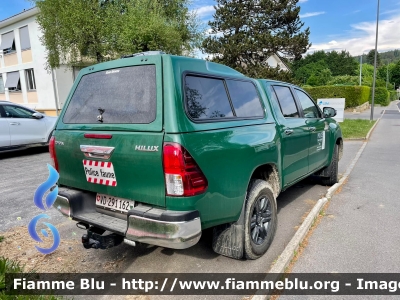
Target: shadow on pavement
(24, 152)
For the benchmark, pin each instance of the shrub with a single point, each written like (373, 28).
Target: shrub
(381, 96)
(344, 79)
(9, 267)
(354, 95)
(393, 95)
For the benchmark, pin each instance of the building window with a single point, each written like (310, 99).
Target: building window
(24, 38)
(30, 79)
(7, 42)
(1, 85)
(13, 82)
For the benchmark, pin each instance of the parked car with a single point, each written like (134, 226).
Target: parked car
(157, 148)
(22, 127)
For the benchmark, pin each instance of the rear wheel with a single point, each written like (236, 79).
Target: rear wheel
(334, 166)
(260, 219)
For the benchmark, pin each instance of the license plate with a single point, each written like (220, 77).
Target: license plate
(114, 203)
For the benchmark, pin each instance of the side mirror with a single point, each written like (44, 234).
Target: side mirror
(329, 112)
(37, 115)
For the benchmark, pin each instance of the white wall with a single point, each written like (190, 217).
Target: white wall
(273, 61)
(64, 81)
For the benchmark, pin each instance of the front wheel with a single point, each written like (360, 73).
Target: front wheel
(260, 219)
(334, 166)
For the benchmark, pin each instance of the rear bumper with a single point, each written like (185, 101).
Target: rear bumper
(166, 228)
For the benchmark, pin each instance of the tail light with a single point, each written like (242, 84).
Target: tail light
(52, 150)
(183, 176)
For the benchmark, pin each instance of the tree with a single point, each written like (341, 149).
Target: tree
(384, 72)
(305, 72)
(321, 77)
(245, 33)
(82, 32)
(344, 80)
(371, 58)
(339, 63)
(367, 70)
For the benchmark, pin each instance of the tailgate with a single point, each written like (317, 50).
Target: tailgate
(133, 171)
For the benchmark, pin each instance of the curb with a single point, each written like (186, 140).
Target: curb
(288, 253)
(355, 139)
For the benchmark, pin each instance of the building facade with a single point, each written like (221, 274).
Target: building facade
(23, 77)
(275, 61)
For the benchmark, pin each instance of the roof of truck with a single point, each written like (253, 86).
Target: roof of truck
(183, 62)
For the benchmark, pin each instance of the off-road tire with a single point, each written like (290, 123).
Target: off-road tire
(261, 194)
(334, 166)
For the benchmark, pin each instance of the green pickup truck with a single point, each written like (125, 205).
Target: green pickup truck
(154, 148)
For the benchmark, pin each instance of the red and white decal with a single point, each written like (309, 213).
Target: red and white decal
(99, 172)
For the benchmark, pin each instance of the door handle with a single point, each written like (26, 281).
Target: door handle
(288, 131)
(312, 129)
(14, 123)
(97, 151)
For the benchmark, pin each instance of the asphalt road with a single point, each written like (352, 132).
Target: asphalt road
(22, 172)
(366, 114)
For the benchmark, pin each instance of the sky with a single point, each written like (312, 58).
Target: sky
(335, 24)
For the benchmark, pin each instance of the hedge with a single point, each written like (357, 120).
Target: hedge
(354, 95)
(382, 96)
(393, 95)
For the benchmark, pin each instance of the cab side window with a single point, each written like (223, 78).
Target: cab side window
(245, 99)
(310, 109)
(286, 101)
(206, 98)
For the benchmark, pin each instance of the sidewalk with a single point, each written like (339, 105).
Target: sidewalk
(361, 229)
(366, 114)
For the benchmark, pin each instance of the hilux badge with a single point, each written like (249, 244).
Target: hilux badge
(146, 148)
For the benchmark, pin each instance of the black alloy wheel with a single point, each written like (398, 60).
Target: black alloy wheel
(260, 220)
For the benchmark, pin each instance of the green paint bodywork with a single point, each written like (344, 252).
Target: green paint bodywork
(228, 152)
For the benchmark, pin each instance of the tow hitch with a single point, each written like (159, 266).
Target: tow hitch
(94, 238)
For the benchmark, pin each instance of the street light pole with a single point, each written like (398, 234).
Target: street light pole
(387, 75)
(376, 55)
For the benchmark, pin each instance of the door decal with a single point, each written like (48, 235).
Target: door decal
(321, 141)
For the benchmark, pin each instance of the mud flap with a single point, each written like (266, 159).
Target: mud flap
(228, 239)
(325, 172)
